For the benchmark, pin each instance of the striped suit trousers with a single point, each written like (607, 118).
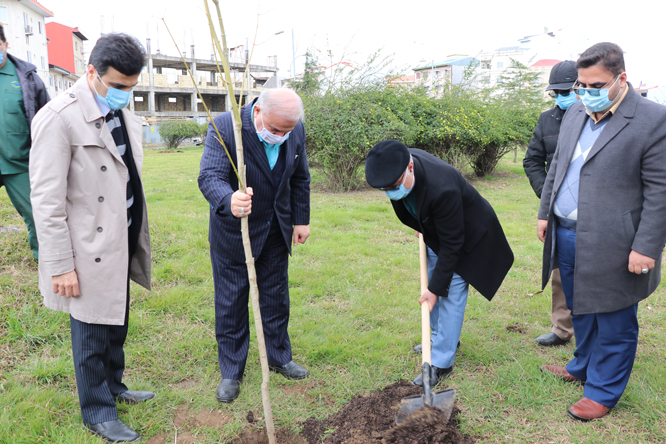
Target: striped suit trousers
(231, 306)
(99, 363)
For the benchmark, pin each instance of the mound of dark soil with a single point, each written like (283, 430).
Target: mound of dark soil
(370, 419)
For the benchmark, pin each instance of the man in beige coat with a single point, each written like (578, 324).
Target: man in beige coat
(92, 225)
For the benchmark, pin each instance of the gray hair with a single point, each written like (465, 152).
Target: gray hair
(281, 102)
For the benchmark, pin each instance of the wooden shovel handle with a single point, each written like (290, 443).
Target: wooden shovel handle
(425, 308)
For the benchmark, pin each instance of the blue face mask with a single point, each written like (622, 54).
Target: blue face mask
(115, 98)
(268, 137)
(2, 57)
(400, 192)
(596, 103)
(565, 102)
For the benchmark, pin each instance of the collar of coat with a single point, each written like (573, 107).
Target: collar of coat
(21, 65)
(85, 96)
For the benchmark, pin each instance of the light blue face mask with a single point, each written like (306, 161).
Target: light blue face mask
(400, 192)
(268, 137)
(596, 99)
(2, 57)
(115, 98)
(565, 102)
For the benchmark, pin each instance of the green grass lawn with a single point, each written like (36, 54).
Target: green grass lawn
(354, 318)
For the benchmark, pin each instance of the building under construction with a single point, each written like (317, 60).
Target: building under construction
(166, 91)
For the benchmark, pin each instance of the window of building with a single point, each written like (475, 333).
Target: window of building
(25, 19)
(3, 14)
(39, 25)
(76, 45)
(418, 75)
(29, 58)
(43, 63)
(500, 65)
(50, 80)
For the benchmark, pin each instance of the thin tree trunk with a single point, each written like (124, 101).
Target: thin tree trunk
(254, 296)
(249, 259)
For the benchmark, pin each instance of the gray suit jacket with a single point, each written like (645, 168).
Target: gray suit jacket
(621, 204)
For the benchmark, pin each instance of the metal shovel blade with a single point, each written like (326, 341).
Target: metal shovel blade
(442, 400)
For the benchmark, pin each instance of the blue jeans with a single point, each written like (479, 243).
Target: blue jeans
(605, 342)
(446, 318)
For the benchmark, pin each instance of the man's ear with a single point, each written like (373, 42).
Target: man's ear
(90, 72)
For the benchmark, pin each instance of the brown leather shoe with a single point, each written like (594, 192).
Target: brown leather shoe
(586, 409)
(560, 372)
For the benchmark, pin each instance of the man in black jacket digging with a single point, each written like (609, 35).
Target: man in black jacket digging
(458, 225)
(536, 163)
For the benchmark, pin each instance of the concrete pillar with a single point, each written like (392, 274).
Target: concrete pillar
(151, 87)
(195, 96)
(227, 102)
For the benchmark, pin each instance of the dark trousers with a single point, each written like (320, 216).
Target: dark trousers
(99, 363)
(231, 307)
(605, 342)
(18, 190)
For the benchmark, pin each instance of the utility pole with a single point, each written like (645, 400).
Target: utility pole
(293, 56)
(247, 69)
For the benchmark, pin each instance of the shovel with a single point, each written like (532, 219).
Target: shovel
(442, 400)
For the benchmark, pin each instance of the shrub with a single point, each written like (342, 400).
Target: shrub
(342, 126)
(466, 124)
(173, 133)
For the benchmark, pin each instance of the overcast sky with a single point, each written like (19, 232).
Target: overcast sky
(409, 31)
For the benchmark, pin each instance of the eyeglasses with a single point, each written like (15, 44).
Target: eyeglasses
(558, 92)
(389, 188)
(593, 92)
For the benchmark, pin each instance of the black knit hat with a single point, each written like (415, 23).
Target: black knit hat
(563, 76)
(385, 163)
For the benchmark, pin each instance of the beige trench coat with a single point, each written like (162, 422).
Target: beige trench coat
(78, 186)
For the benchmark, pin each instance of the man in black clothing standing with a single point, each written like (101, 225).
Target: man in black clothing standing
(536, 163)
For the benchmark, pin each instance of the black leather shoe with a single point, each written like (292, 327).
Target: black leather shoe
(550, 340)
(419, 348)
(437, 375)
(134, 396)
(114, 431)
(290, 370)
(227, 390)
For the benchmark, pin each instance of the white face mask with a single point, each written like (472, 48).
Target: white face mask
(267, 136)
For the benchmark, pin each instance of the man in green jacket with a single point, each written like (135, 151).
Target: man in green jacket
(22, 94)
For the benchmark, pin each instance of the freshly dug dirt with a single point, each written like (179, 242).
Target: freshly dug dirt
(370, 419)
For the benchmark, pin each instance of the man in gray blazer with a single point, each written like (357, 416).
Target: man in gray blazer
(602, 212)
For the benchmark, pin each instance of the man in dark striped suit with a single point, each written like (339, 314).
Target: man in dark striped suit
(277, 205)
(91, 220)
